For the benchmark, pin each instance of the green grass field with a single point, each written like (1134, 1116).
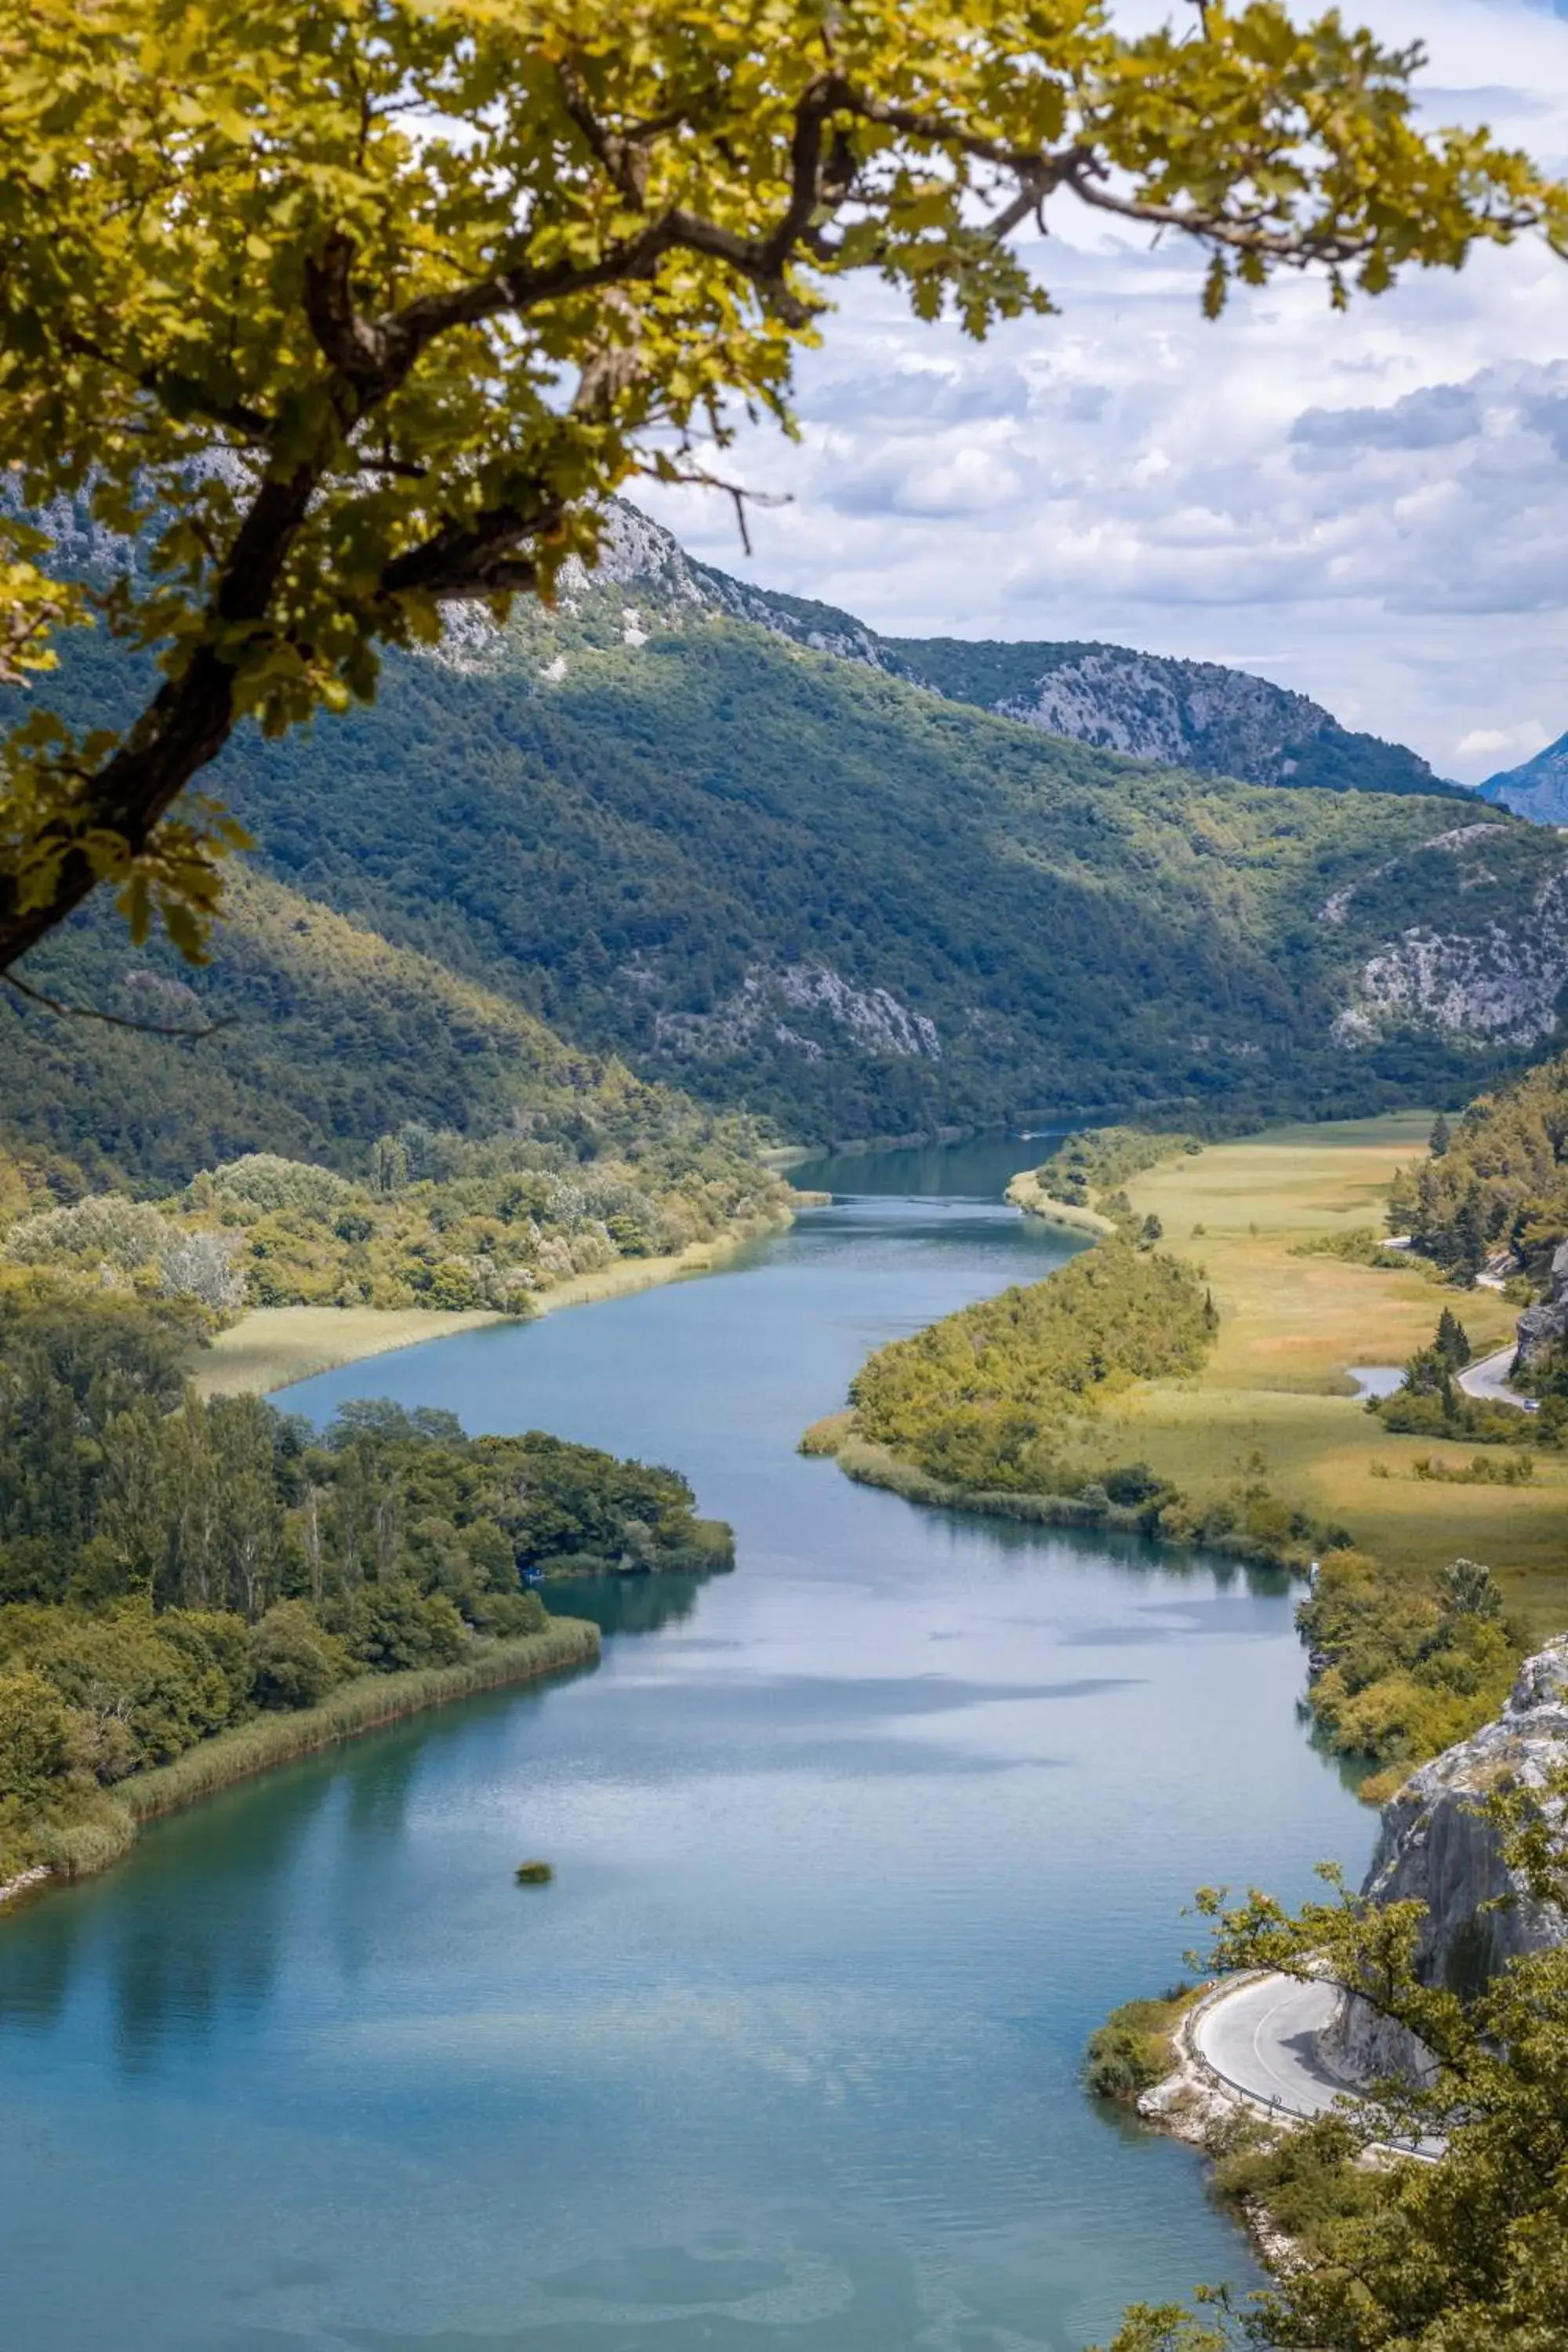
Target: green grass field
(1276, 1384)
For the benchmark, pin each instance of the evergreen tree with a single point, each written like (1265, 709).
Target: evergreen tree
(1442, 1137)
(1470, 1236)
(1452, 1343)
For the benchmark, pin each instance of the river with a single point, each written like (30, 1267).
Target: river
(853, 1847)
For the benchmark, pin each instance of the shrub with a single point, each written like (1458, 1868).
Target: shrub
(1132, 1484)
(35, 1735)
(393, 1628)
(199, 1266)
(262, 1180)
(294, 1662)
(104, 1229)
(1134, 2050)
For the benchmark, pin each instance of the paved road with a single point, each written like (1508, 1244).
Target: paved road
(1262, 2039)
(1488, 1379)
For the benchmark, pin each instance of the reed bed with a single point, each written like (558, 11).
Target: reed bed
(362, 1705)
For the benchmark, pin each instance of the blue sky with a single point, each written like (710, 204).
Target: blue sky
(1371, 508)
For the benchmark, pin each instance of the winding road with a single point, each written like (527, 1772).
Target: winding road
(1488, 1380)
(1261, 2038)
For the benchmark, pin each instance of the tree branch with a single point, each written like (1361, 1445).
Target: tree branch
(112, 1020)
(185, 726)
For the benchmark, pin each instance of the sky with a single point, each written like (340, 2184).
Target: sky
(1371, 507)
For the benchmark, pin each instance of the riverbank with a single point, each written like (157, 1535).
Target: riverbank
(877, 1465)
(369, 1702)
(1264, 1219)
(1027, 1193)
(271, 1348)
(1266, 1222)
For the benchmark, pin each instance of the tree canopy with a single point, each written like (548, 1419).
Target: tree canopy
(1469, 2254)
(343, 312)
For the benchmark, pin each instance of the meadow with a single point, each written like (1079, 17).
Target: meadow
(1277, 1384)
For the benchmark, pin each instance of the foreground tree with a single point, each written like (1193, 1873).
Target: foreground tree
(1468, 2254)
(355, 308)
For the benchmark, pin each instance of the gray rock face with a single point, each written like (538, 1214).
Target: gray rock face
(1538, 790)
(1152, 706)
(1433, 1849)
(1544, 1328)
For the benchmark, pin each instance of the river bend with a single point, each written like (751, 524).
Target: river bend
(853, 1848)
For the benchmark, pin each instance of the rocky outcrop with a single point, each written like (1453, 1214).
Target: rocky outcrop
(770, 1006)
(1544, 1328)
(1494, 979)
(1435, 1848)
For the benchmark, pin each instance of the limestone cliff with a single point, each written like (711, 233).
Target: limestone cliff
(1434, 1848)
(1544, 1328)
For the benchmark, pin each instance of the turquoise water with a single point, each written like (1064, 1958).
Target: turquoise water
(853, 1847)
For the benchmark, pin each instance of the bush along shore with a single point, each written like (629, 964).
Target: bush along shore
(191, 1591)
(1196, 1392)
(1001, 1407)
(85, 1830)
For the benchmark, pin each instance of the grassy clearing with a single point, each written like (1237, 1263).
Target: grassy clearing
(1277, 1385)
(273, 1346)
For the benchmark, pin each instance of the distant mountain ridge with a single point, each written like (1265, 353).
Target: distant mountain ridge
(1186, 714)
(1538, 789)
(724, 839)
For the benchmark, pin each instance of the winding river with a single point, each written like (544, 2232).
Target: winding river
(853, 1848)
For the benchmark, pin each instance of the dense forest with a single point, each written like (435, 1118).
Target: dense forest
(441, 1219)
(1000, 1395)
(782, 881)
(171, 1568)
(330, 1039)
(1495, 1183)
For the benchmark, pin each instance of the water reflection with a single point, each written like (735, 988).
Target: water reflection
(628, 1604)
(852, 1849)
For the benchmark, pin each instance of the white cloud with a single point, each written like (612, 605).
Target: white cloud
(1509, 746)
(1373, 508)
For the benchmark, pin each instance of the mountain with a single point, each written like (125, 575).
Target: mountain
(1538, 790)
(330, 1036)
(719, 834)
(1185, 714)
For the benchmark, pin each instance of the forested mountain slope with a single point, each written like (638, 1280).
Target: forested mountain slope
(1221, 721)
(331, 1038)
(791, 881)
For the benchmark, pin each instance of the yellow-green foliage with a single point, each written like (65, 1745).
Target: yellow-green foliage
(1307, 2180)
(1481, 1470)
(272, 258)
(443, 1222)
(997, 1395)
(1500, 1183)
(1405, 1664)
(1103, 1157)
(1135, 2047)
